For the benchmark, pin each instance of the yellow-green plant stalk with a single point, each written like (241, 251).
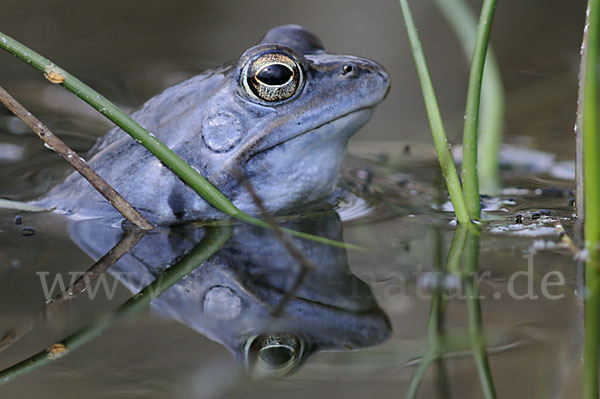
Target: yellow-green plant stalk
(182, 169)
(590, 131)
(491, 120)
(470, 177)
(435, 121)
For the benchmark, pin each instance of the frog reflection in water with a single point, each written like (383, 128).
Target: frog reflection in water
(233, 297)
(282, 115)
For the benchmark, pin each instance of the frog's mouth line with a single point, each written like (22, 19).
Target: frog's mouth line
(312, 130)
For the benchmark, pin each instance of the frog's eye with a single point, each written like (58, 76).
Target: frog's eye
(273, 354)
(272, 77)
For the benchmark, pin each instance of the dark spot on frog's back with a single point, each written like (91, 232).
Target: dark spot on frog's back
(177, 203)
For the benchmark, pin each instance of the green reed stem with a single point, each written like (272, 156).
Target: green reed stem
(470, 178)
(124, 121)
(173, 161)
(435, 120)
(591, 347)
(464, 23)
(591, 133)
(215, 238)
(456, 250)
(591, 180)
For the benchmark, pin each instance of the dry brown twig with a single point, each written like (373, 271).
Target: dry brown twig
(78, 163)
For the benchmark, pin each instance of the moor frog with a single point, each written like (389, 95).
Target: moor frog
(281, 115)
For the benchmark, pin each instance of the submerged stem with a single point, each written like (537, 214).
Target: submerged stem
(470, 280)
(215, 238)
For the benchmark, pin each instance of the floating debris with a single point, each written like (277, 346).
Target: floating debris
(27, 231)
(526, 230)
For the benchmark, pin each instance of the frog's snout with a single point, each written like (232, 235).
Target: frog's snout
(388, 82)
(367, 68)
(385, 80)
(376, 74)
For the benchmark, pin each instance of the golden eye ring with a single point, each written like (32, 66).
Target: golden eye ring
(272, 77)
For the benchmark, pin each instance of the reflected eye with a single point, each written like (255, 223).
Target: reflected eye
(273, 354)
(272, 77)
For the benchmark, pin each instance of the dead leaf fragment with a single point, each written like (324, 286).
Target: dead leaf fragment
(54, 74)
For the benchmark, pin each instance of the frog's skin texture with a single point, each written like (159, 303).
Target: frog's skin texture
(290, 150)
(231, 297)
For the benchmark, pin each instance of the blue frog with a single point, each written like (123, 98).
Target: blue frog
(279, 117)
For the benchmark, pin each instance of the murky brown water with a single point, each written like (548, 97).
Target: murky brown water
(131, 50)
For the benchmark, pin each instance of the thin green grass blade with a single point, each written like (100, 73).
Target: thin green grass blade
(591, 179)
(124, 121)
(591, 133)
(435, 120)
(491, 116)
(173, 161)
(470, 178)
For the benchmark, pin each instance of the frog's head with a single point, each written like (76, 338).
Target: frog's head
(295, 107)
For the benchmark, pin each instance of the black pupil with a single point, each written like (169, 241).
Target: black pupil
(276, 356)
(274, 75)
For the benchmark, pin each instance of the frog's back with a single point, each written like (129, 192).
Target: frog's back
(173, 101)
